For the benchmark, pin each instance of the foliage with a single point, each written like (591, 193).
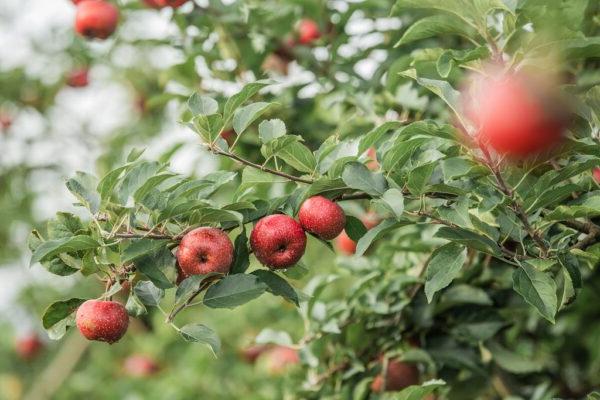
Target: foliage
(481, 271)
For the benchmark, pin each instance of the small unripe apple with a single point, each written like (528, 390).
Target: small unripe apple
(399, 375)
(96, 19)
(78, 78)
(278, 241)
(140, 366)
(515, 114)
(29, 346)
(372, 164)
(104, 321)
(308, 31)
(279, 358)
(596, 174)
(323, 217)
(205, 250)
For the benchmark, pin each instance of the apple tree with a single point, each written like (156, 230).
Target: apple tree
(446, 159)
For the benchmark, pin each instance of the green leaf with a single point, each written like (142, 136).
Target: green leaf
(473, 12)
(354, 228)
(393, 201)
(441, 88)
(513, 362)
(241, 259)
(209, 126)
(59, 316)
(271, 129)
(470, 239)
(357, 176)
(135, 178)
(141, 247)
(134, 306)
(373, 136)
(571, 264)
(538, 289)
(269, 335)
(109, 181)
(156, 266)
(445, 265)
(202, 334)
(83, 186)
(65, 225)
(418, 392)
(52, 248)
(436, 25)
(240, 98)
(299, 157)
(148, 294)
(234, 290)
(375, 233)
(244, 116)
(202, 105)
(419, 177)
(277, 285)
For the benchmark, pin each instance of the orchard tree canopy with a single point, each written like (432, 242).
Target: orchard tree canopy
(395, 200)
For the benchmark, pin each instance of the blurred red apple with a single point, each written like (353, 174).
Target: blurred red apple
(78, 77)
(140, 366)
(29, 346)
(308, 31)
(398, 375)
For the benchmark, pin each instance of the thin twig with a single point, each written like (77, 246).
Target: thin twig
(260, 167)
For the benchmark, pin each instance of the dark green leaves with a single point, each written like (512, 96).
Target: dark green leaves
(277, 285)
(357, 176)
(47, 250)
(538, 289)
(141, 247)
(234, 290)
(148, 294)
(59, 316)
(445, 265)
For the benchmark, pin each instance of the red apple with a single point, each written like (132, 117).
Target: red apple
(323, 217)
(78, 78)
(29, 346)
(153, 3)
(278, 241)
(308, 31)
(515, 114)
(399, 375)
(165, 3)
(596, 174)
(229, 136)
(251, 353)
(104, 321)
(140, 366)
(345, 244)
(348, 246)
(96, 19)
(6, 121)
(205, 250)
(279, 358)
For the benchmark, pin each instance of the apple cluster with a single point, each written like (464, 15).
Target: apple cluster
(278, 241)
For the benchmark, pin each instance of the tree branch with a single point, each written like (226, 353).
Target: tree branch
(241, 160)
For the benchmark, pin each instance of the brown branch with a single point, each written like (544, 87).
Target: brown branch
(514, 204)
(260, 167)
(593, 237)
